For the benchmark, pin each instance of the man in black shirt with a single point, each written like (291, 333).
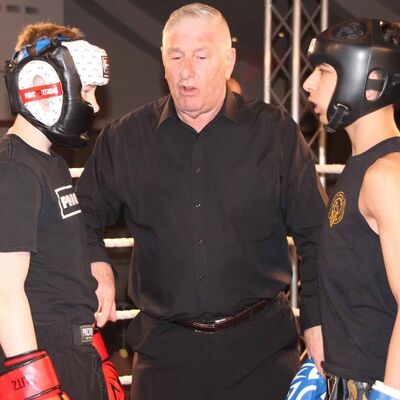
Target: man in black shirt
(211, 182)
(354, 85)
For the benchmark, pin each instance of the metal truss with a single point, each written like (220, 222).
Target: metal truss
(289, 27)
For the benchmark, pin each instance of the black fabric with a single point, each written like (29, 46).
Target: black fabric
(357, 306)
(209, 212)
(39, 214)
(249, 361)
(79, 368)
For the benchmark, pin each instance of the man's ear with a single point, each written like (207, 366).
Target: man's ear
(230, 61)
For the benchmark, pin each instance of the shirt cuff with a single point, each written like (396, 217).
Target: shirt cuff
(309, 312)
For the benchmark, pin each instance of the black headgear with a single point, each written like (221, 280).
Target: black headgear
(49, 71)
(354, 49)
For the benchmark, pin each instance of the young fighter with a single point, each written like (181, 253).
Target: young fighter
(354, 84)
(47, 291)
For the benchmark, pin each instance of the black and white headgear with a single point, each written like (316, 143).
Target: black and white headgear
(355, 48)
(44, 83)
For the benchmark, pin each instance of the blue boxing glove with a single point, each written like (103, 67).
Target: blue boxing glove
(308, 384)
(382, 392)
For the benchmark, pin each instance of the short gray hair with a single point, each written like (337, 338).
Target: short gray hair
(194, 10)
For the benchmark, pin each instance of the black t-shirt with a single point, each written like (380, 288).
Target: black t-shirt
(357, 306)
(40, 214)
(209, 212)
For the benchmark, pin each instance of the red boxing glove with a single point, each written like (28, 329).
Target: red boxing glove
(30, 375)
(114, 388)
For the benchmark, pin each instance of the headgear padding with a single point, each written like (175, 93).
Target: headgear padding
(44, 83)
(355, 48)
(90, 61)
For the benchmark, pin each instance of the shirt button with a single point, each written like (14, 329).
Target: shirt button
(200, 242)
(198, 170)
(198, 205)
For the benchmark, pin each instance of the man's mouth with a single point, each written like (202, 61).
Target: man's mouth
(187, 90)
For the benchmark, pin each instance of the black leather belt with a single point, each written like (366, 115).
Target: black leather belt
(227, 322)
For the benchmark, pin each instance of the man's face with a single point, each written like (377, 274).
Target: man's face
(320, 85)
(198, 60)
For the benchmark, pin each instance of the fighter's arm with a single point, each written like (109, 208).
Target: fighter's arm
(24, 363)
(379, 203)
(17, 334)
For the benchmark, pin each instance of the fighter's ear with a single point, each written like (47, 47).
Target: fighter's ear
(375, 83)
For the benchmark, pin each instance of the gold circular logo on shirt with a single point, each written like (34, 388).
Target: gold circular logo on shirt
(336, 210)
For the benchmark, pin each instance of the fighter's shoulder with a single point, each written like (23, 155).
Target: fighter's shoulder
(13, 159)
(384, 174)
(14, 174)
(387, 165)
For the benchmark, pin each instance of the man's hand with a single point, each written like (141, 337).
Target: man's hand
(105, 293)
(315, 346)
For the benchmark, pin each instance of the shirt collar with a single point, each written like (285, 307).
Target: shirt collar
(228, 110)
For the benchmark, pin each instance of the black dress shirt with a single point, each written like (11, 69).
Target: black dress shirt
(209, 212)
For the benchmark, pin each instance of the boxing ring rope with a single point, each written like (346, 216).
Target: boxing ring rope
(321, 169)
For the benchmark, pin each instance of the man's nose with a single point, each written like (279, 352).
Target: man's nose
(187, 68)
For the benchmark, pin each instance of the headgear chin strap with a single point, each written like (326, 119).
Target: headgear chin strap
(44, 83)
(354, 49)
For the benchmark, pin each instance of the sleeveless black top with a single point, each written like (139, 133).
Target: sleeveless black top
(357, 306)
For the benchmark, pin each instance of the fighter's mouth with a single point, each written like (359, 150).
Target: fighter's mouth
(314, 106)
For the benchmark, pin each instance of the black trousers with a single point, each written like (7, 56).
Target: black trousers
(255, 360)
(78, 366)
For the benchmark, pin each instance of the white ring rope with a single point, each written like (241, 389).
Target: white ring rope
(118, 242)
(329, 168)
(127, 314)
(321, 169)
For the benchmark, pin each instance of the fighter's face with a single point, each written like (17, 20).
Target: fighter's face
(88, 94)
(198, 60)
(320, 85)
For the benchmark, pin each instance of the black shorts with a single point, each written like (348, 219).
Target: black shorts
(76, 361)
